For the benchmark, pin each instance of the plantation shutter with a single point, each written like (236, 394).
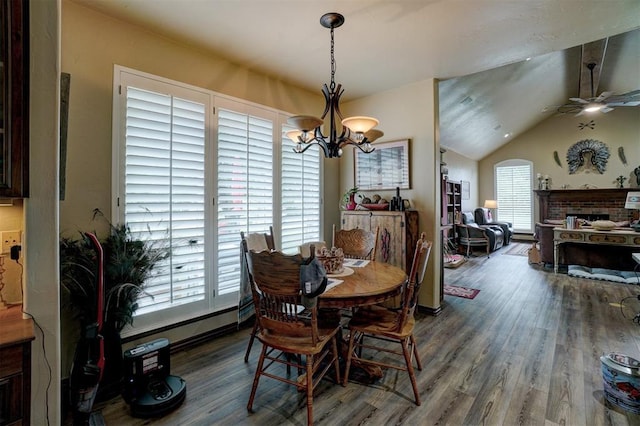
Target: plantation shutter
(300, 197)
(514, 195)
(165, 191)
(245, 187)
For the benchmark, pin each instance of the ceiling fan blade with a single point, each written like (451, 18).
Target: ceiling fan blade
(606, 109)
(603, 96)
(621, 103)
(580, 100)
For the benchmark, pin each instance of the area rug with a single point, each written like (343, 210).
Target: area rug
(454, 290)
(517, 249)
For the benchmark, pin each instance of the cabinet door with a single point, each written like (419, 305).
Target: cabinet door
(391, 238)
(14, 99)
(352, 220)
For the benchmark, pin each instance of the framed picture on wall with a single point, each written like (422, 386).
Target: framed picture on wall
(466, 189)
(385, 168)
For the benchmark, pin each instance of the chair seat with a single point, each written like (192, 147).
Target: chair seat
(301, 345)
(380, 320)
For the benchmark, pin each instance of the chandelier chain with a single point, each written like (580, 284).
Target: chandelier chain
(333, 65)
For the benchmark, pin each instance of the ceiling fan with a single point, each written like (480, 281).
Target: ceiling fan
(603, 103)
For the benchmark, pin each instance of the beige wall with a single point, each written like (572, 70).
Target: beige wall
(91, 44)
(618, 128)
(409, 112)
(462, 168)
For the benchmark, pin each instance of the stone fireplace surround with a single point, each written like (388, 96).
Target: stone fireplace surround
(560, 203)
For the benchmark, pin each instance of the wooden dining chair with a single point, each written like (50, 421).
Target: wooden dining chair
(256, 241)
(303, 249)
(356, 243)
(287, 328)
(383, 325)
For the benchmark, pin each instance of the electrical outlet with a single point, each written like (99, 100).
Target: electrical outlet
(10, 238)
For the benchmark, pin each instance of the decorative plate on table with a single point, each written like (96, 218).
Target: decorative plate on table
(376, 206)
(603, 225)
(346, 271)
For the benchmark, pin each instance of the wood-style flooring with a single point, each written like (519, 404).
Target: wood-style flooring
(525, 351)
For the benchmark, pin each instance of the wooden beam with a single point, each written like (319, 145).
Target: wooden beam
(591, 53)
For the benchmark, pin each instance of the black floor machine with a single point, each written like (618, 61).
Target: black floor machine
(148, 387)
(88, 361)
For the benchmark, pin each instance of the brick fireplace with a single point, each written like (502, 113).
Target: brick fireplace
(596, 203)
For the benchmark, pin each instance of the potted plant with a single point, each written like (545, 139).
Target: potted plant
(128, 263)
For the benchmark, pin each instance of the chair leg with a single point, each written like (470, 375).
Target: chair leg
(310, 390)
(256, 377)
(415, 352)
(251, 339)
(336, 360)
(412, 375)
(352, 338)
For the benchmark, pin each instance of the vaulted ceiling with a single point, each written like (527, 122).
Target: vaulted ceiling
(477, 48)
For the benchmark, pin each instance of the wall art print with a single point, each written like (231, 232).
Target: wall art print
(587, 154)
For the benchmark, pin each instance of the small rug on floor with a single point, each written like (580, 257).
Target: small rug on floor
(467, 293)
(517, 249)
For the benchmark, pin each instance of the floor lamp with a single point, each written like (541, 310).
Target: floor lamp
(490, 204)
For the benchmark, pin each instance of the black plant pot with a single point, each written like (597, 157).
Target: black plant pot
(112, 377)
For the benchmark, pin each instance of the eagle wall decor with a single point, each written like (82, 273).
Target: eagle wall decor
(596, 151)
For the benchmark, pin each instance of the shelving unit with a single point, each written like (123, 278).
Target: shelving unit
(451, 200)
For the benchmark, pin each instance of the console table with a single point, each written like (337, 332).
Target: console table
(616, 237)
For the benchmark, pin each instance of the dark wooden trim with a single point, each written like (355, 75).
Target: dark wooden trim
(547, 196)
(430, 311)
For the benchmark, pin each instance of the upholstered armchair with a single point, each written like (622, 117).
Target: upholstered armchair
(483, 217)
(471, 234)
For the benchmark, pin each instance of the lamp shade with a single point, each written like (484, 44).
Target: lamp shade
(293, 135)
(373, 134)
(490, 204)
(633, 200)
(360, 124)
(305, 122)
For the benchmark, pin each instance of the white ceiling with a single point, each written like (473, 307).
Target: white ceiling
(386, 44)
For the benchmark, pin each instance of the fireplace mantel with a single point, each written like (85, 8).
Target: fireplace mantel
(557, 203)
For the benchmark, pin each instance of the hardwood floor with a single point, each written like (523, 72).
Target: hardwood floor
(525, 351)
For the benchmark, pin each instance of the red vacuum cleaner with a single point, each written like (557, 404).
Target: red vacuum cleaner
(88, 362)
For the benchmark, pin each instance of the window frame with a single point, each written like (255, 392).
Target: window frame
(515, 163)
(213, 301)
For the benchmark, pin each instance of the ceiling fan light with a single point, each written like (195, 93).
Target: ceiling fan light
(593, 107)
(360, 124)
(305, 123)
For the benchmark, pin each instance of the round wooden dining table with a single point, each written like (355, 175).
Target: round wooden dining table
(368, 285)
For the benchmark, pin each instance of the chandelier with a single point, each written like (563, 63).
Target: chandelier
(358, 131)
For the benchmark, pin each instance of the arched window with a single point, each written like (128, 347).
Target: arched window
(513, 183)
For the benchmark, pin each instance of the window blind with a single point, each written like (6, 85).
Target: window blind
(514, 195)
(164, 192)
(300, 196)
(245, 188)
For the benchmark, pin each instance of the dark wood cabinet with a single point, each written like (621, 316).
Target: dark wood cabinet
(14, 99)
(16, 335)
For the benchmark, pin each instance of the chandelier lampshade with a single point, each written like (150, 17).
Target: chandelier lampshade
(358, 131)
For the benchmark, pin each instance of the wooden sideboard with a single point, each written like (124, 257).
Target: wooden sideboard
(16, 335)
(398, 236)
(615, 237)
